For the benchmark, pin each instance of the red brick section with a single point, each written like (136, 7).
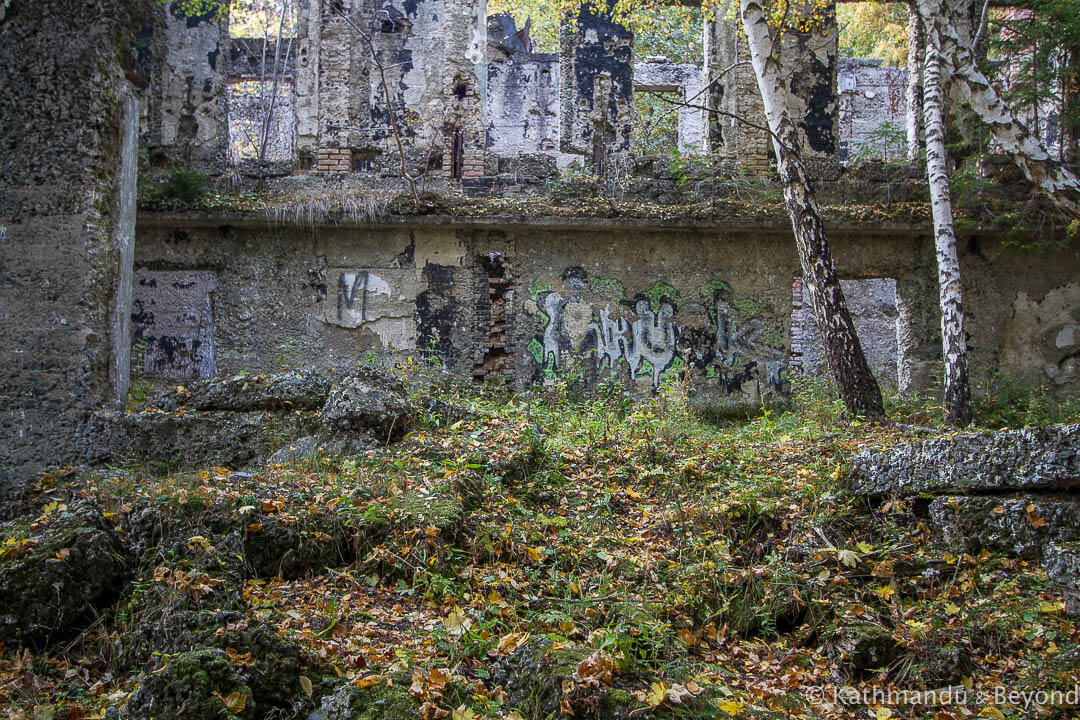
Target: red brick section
(334, 161)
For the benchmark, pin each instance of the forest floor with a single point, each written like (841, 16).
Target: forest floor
(599, 556)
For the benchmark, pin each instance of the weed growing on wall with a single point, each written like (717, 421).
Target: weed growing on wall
(177, 188)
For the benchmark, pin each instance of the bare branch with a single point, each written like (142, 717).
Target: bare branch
(386, 94)
(715, 111)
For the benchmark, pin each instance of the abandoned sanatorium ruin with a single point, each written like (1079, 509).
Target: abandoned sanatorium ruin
(693, 277)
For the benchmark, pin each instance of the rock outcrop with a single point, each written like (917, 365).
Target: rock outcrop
(1013, 491)
(55, 570)
(284, 391)
(244, 420)
(1028, 460)
(1019, 524)
(369, 402)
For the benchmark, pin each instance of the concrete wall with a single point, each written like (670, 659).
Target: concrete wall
(808, 63)
(873, 105)
(433, 56)
(524, 303)
(470, 101)
(186, 123)
(67, 176)
(872, 304)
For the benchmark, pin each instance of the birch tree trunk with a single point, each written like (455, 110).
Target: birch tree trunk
(957, 400)
(1059, 184)
(854, 382)
(916, 138)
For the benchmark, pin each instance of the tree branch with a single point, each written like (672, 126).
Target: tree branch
(386, 94)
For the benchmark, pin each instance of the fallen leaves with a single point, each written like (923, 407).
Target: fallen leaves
(660, 693)
(456, 623)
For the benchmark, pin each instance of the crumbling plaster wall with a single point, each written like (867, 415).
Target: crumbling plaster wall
(187, 121)
(523, 105)
(596, 89)
(529, 303)
(66, 224)
(873, 105)
(809, 64)
(467, 107)
(433, 54)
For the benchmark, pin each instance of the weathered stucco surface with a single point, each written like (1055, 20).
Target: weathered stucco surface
(186, 105)
(531, 303)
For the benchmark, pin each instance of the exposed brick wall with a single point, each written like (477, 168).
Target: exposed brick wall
(334, 161)
(494, 298)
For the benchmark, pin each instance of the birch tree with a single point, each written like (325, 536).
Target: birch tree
(916, 138)
(1060, 185)
(854, 382)
(957, 395)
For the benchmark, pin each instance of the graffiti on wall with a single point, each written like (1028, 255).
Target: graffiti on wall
(648, 338)
(658, 333)
(354, 291)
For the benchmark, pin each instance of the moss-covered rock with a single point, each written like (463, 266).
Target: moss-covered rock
(182, 610)
(859, 650)
(442, 509)
(533, 676)
(55, 570)
(375, 703)
(369, 402)
(1062, 564)
(197, 685)
(292, 549)
(283, 391)
(1018, 524)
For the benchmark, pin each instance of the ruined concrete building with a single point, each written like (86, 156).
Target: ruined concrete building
(469, 99)
(688, 275)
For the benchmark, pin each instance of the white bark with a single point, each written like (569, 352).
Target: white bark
(1061, 185)
(957, 398)
(916, 139)
(854, 381)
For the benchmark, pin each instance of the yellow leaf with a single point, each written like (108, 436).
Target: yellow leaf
(235, 702)
(463, 713)
(367, 681)
(455, 622)
(951, 608)
(535, 553)
(731, 707)
(885, 592)
(848, 557)
(305, 685)
(657, 693)
(991, 712)
(510, 643)
(883, 713)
